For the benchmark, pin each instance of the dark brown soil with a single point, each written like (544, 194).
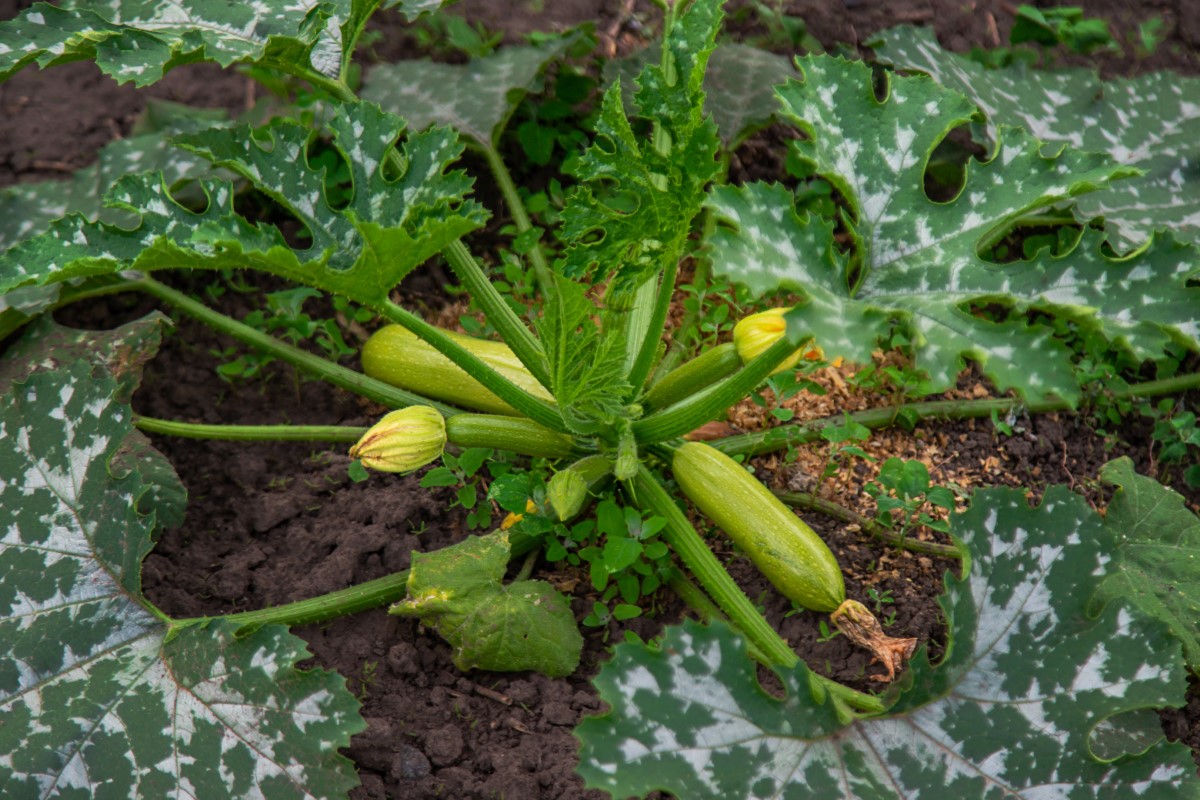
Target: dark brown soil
(268, 524)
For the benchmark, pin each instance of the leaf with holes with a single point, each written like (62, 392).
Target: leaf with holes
(916, 262)
(1158, 553)
(1151, 122)
(392, 224)
(631, 214)
(101, 694)
(1031, 690)
(475, 98)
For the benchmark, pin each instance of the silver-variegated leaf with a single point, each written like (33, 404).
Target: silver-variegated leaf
(391, 225)
(1151, 122)
(1009, 712)
(100, 694)
(475, 98)
(916, 261)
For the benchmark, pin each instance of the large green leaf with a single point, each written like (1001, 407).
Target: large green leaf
(139, 40)
(916, 261)
(459, 591)
(631, 215)
(1151, 122)
(1158, 553)
(362, 251)
(475, 98)
(100, 695)
(1009, 712)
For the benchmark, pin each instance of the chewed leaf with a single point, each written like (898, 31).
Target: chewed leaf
(631, 214)
(392, 224)
(459, 591)
(916, 262)
(475, 98)
(139, 41)
(1158, 553)
(1008, 713)
(99, 694)
(1151, 122)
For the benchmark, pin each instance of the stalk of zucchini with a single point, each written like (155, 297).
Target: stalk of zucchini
(516, 434)
(796, 561)
(399, 357)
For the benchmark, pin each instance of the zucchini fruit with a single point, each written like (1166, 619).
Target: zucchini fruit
(796, 561)
(399, 357)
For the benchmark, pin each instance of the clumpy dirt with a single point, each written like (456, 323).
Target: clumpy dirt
(273, 523)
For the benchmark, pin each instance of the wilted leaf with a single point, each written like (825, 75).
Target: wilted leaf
(1008, 712)
(1151, 122)
(475, 98)
(917, 262)
(100, 695)
(459, 592)
(1158, 553)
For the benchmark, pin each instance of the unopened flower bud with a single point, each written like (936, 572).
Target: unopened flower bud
(754, 334)
(403, 440)
(568, 491)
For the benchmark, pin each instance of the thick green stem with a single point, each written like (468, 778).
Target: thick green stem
(700, 561)
(804, 432)
(499, 313)
(520, 216)
(344, 602)
(251, 433)
(328, 371)
(878, 531)
(691, 594)
(537, 410)
(683, 334)
(652, 336)
(705, 406)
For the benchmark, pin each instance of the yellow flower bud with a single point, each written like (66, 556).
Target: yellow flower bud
(754, 334)
(403, 440)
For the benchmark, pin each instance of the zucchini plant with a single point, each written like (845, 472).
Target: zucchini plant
(588, 383)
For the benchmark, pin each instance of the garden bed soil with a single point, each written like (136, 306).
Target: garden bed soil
(273, 523)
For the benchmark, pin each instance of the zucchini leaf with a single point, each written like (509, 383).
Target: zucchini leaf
(362, 251)
(916, 262)
(476, 98)
(1158, 553)
(138, 41)
(1028, 678)
(739, 86)
(639, 190)
(100, 694)
(459, 592)
(587, 362)
(1151, 122)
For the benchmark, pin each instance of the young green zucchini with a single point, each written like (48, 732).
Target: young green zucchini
(397, 356)
(784, 549)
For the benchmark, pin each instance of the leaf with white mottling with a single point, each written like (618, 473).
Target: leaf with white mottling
(1151, 122)
(138, 40)
(475, 98)
(391, 225)
(99, 695)
(1158, 553)
(916, 261)
(1007, 713)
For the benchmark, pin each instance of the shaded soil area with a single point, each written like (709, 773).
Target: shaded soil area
(273, 523)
